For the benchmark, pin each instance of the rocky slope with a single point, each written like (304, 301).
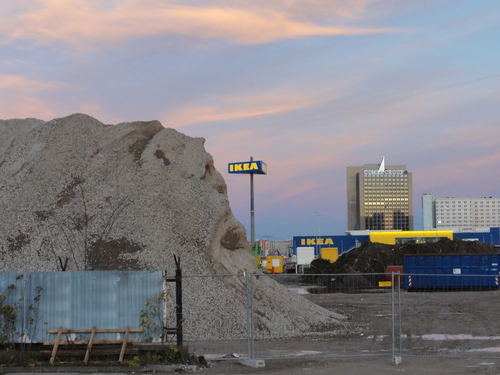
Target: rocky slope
(83, 195)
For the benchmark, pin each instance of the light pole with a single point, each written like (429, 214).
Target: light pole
(318, 236)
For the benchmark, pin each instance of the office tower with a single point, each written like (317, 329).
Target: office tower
(379, 197)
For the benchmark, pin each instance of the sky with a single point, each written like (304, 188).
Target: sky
(309, 87)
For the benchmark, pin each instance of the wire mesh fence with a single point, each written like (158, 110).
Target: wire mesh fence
(447, 315)
(364, 327)
(380, 316)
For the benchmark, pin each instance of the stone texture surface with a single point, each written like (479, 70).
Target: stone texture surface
(130, 196)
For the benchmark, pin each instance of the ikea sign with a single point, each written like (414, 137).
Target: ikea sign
(258, 167)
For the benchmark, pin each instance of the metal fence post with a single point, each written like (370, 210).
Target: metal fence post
(250, 322)
(393, 320)
(178, 302)
(396, 359)
(178, 330)
(400, 316)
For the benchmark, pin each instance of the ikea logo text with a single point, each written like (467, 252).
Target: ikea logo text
(248, 167)
(316, 241)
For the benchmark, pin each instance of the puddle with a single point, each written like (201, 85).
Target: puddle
(305, 353)
(489, 350)
(443, 337)
(305, 289)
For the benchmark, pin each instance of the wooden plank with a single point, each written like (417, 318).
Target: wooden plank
(124, 346)
(92, 341)
(109, 330)
(95, 342)
(89, 345)
(95, 352)
(56, 344)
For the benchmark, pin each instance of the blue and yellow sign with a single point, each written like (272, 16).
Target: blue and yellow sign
(258, 167)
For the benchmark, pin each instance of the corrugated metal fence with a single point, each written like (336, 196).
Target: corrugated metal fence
(77, 300)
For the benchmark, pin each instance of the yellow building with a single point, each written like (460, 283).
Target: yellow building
(413, 236)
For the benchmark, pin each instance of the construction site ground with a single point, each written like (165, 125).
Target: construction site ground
(454, 313)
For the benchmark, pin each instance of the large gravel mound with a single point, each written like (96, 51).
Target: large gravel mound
(79, 194)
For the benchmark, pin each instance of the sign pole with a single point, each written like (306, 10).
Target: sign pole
(251, 167)
(252, 211)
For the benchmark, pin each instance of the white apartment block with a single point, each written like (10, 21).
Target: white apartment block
(460, 214)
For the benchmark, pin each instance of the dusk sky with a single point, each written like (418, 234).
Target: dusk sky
(309, 87)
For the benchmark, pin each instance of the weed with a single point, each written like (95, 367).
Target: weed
(135, 362)
(152, 316)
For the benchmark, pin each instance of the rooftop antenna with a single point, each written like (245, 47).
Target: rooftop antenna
(382, 165)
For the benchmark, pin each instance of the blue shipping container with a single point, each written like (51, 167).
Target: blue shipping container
(451, 271)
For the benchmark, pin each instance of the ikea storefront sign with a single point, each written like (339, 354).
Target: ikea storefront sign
(316, 241)
(343, 243)
(258, 167)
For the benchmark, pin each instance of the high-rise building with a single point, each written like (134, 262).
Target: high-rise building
(460, 214)
(379, 197)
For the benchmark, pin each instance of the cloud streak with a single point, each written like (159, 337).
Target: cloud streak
(86, 22)
(240, 107)
(24, 84)
(22, 97)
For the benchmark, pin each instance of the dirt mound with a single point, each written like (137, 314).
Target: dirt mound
(374, 257)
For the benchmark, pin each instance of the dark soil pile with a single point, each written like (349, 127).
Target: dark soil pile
(373, 257)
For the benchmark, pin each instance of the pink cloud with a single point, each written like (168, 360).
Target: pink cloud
(18, 97)
(77, 21)
(296, 190)
(240, 107)
(21, 83)
(19, 106)
(491, 159)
